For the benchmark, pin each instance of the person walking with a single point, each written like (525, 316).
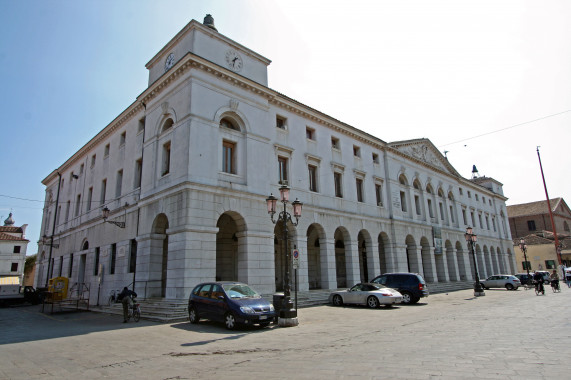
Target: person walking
(126, 298)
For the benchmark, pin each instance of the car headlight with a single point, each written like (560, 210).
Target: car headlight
(246, 310)
(272, 307)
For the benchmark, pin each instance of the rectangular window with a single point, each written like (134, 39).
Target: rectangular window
(480, 220)
(337, 179)
(379, 194)
(549, 264)
(93, 160)
(68, 205)
(138, 173)
(119, 184)
(464, 217)
(312, 170)
(106, 154)
(430, 211)
(281, 122)
(335, 143)
(58, 215)
(417, 204)
(141, 126)
(282, 167)
(460, 191)
(78, 205)
(476, 195)
(81, 169)
(103, 191)
(526, 265)
(166, 159)
(452, 215)
(228, 158)
(531, 225)
(14, 267)
(403, 201)
(310, 133)
(133, 257)
(113, 259)
(356, 151)
(122, 139)
(359, 183)
(17, 249)
(473, 218)
(487, 223)
(96, 262)
(483, 199)
(70, 268)
(441, 210)
(494, 224)
(375, 158)
(89, 197)
(469, 194)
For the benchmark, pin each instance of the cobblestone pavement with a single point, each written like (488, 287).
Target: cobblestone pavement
(504, 335)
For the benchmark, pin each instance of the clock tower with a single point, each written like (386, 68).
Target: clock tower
(202, 40)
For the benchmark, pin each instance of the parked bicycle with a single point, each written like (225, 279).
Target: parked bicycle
(113, 297)
(134, 311)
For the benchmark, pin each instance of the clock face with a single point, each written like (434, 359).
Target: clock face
(234, 60)
(169, 62)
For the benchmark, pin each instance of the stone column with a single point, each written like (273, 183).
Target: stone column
(256, 264)
(396, 258)
(352, 263)
(302, 271)
(327, 257)
(452, 263)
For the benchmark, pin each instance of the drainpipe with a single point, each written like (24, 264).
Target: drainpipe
(50, 269)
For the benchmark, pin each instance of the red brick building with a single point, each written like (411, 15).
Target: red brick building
(528, 218)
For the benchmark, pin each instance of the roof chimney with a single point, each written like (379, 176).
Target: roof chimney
(209, 22)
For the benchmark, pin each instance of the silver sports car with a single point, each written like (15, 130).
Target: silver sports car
(371, 295)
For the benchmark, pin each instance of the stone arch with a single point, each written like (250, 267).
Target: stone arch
(366, 261)
(403, 180)
(238, 117)
(461, 259)
(159, 257)
(231, 228)
(84, 245)
(451, 261)
(316, 256)
(384, 251)
(342, 257)
(166, 122)
(413, 259)
(428, 263)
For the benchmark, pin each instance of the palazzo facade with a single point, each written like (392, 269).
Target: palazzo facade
(188, 166)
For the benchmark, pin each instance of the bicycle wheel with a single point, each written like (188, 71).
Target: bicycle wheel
(136, 313)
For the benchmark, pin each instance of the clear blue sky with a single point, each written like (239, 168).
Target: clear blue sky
(444, 70)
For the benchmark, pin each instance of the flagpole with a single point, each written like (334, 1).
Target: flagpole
(558, 253)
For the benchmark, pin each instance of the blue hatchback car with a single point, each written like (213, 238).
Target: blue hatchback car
(233, 303)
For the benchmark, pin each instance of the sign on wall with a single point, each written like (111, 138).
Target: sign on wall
(437, 236)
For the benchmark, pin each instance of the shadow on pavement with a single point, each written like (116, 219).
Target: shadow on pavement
(28, 323)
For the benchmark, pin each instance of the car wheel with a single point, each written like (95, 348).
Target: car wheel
(414, 300)
(192, 315)
(230, 321)
(372, 302)
(406, 298)
(337, 300)
(509, 287)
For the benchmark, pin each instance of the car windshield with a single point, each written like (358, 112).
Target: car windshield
(240, 291)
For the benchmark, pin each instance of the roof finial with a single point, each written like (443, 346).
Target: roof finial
(209, 22)
(10, 221)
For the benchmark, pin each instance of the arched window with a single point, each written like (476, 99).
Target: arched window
(416, 184)
(229, 123)
(85, 246)
(402, 180)
(167, 125)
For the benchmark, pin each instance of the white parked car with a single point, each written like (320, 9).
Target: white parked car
(501, 281)
(371, 295)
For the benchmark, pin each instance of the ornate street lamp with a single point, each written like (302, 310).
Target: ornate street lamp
(523, 248)
(288, 314)
(106, 215)
(471, 239)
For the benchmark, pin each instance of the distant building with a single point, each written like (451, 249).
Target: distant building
(186, 169)
(529, 218)
(541, 253)
(13, 246)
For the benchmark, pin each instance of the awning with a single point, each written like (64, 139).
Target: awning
(10, 280)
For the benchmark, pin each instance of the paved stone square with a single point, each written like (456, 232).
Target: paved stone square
(504, 335)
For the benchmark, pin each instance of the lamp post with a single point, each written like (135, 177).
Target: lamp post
(106, 215)
(523, 248)
(287, 315)
(471, 239)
